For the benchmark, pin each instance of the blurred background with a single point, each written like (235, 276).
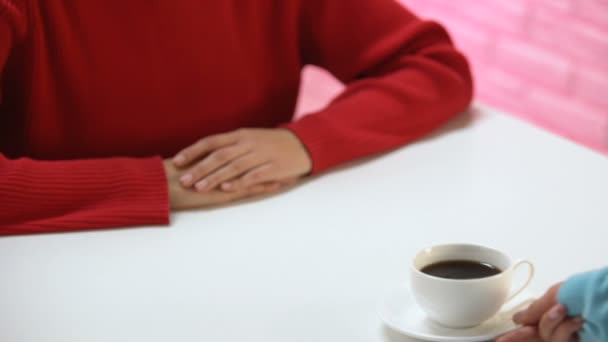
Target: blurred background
(545, 61)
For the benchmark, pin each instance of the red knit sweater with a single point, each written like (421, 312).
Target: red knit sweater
(94, 93)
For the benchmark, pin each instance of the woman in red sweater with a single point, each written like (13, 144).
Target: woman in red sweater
(95, 93)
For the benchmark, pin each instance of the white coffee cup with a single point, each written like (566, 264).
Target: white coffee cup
(464, 303)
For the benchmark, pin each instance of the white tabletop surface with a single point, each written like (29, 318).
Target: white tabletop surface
(311, 264)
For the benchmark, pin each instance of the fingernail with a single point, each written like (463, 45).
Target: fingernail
(186, 179)
(579, 321)
(556, 313)
(179, 159)
(518, 316)
(201, 185)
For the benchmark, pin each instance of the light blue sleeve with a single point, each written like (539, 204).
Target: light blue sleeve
(586, 295)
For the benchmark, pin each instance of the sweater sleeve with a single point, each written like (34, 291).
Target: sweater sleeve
(403, 78)
(50, 196)
(586, 295)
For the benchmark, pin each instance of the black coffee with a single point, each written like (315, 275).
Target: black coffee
(461, 269)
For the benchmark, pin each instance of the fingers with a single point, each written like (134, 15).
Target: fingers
(566, 331)
(253, 156)
(211, 163)
(523, 334)
(533, 314)
(261, 189)
(550, 321)
(261, 174)
(289, 182)
(255, 190)
(266, 187)
(187, 199)
(229, 171)
(238, 185)
(202, 147)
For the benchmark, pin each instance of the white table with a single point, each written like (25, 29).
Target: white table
(311, 264)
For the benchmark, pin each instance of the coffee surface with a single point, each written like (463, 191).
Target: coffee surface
(461, 269)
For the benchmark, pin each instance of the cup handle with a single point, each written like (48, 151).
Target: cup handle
(531, 271)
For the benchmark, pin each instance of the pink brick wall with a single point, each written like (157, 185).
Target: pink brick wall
(543, 60)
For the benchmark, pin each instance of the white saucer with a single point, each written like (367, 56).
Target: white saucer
(399, 311)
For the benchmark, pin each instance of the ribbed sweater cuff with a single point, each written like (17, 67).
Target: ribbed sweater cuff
(49, 196)
(314, 140)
